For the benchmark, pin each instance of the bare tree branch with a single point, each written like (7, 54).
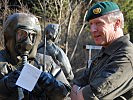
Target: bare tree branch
(69, 24)
(78, 37)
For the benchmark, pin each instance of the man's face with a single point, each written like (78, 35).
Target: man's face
(102, 30)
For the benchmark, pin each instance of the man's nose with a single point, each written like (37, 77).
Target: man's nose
(93, 28)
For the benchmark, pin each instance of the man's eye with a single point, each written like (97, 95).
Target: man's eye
(99, 23)
(90, 24)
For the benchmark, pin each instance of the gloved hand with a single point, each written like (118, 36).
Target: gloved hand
(46, 81)
(10, 80)
(37, 90)
(51, 86)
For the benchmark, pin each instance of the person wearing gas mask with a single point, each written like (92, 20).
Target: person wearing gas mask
(51, 33)
(22, 34)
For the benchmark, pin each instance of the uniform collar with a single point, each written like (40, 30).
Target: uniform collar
(115, 45)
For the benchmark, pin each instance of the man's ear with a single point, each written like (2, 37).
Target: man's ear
(117, 24)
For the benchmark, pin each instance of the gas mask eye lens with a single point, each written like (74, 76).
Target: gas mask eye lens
(32, 36)
(21, 35)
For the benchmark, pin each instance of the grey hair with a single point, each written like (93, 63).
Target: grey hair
(115, 15)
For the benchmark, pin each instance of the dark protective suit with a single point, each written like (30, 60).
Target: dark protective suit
(22, 34)
(110, 74)
(6, 67)
(59, 57)
(52, 31)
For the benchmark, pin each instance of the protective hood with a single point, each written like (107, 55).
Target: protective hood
(51, 31)
(21, 21)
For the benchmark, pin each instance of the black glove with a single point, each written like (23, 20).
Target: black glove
(37, 90)
(10, 80)
(46, 81)
(51, 86)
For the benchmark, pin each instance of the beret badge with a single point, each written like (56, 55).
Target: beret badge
(96, 10)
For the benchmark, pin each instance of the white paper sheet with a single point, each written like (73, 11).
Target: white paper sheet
(28, 77)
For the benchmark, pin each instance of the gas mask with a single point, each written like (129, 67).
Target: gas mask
(25, 40)
(22, 34)
(51, 31)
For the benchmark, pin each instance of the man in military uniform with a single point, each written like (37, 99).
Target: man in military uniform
(51, 31)
(110, 76)
(22, 34)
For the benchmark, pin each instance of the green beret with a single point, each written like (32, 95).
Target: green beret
(100, 9)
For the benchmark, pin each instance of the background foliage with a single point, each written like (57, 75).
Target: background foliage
(70, 15)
